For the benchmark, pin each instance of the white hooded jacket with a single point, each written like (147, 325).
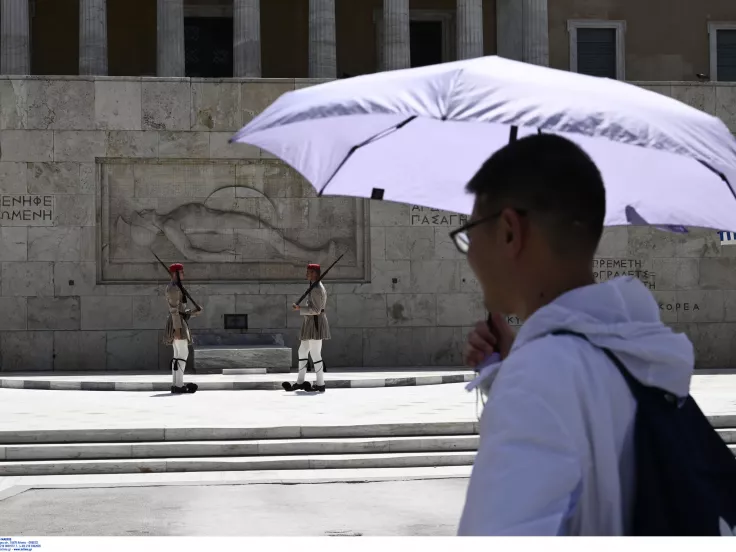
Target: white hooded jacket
(556, 435)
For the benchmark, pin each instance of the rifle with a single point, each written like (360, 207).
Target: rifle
(318, 280)
(184, 292)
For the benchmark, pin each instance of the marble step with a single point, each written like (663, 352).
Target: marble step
(153, 434)
(238, 463)
(242, 371)
(271, 447)
(728, 435)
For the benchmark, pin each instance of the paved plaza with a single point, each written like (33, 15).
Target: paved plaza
(25, 409)
(372, 501)
(396, 508)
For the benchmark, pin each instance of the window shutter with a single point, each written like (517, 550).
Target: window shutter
(597, 52)
(726, 54)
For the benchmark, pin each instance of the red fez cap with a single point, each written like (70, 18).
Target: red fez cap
(313, 267)
(176, 267)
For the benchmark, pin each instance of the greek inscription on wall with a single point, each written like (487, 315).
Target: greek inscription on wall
(676, 307)
(26, 210)
(607, 269)
(425, 216)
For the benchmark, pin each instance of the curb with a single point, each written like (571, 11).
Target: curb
(361, 383)
(171, 434)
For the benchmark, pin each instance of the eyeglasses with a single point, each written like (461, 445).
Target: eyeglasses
(460, 236)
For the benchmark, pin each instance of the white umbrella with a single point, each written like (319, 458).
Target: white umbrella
(418, 136)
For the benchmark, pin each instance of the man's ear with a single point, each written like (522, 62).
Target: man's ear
(512, 229)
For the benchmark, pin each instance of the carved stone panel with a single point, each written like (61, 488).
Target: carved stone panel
(225, 220)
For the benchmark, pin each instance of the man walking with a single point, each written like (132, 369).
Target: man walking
(315, 329)
(177, 330)
(556, 453)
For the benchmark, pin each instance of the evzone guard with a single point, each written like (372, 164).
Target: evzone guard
(177, 332)
(315, 329)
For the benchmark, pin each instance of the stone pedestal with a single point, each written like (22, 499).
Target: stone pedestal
(15, 44)
(396, 37)
(170, 38)
(93, 37)
(322, 42)
(469, 29)
(247, 38)
(234, 353)
(535, 41)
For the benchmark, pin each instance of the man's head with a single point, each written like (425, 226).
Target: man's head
(176, 269)
(536, 223)
(313, 272)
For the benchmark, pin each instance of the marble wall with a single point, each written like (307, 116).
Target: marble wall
(97, 172)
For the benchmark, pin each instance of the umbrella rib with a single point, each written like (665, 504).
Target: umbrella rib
(370, 140)
(720, 174)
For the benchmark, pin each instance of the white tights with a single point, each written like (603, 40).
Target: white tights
(311, 347)
(181, 352)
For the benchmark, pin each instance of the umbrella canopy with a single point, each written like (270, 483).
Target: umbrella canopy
(418, 135)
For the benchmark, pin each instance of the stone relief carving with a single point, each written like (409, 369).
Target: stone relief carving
(182, 224)
(228, 220)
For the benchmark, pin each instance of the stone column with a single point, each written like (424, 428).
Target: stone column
(170, 38)
(469, 29)
(93, 37)
(396, 38)
(535, 40)
(322, 42)
(15, 38)
(247, 38)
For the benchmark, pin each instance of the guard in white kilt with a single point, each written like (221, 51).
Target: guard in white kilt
(315, 329)
(177, 332)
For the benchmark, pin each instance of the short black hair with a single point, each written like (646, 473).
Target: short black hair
(555, 182)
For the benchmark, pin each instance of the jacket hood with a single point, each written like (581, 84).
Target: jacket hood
(623, 316)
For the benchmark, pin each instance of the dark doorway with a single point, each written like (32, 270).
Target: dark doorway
(208, 45)
(426, 43)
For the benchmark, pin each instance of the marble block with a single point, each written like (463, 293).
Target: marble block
(61, 104)
(125, 143)
(216, 106)
(14, 311)
(26, 351)
(53, 313)
(416, 309)
(13, 178)
(13, 108)
(13, 243)
(27, 145)
(166, 105)
(27, 279)
(79, 145)
(118, 105)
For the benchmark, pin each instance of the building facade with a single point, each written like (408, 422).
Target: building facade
(657, 40)
(115, 117)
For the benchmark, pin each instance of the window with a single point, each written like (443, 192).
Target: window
(431, 36)
(208, 47)
(597, 48)
(722, 37)
(208, 40)
(426, 43)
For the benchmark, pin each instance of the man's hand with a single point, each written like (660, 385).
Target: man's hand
(482, 343)
(295, 306)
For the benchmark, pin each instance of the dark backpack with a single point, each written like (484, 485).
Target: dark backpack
(685, 472)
